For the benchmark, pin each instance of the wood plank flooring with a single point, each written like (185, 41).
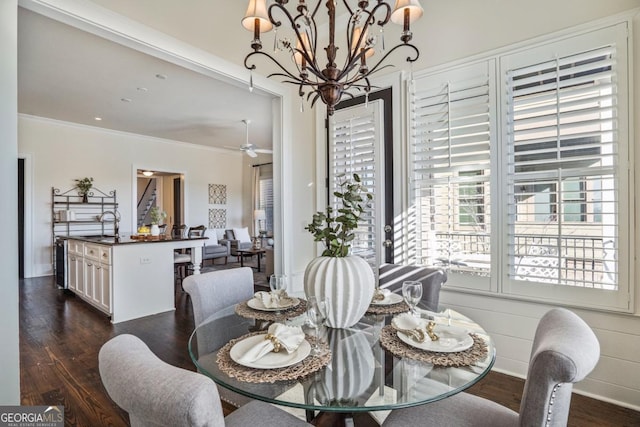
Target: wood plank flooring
(60, 337)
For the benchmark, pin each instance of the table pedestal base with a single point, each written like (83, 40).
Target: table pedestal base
(337, 419)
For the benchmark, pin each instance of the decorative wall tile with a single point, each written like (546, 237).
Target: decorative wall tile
(217, 218)
(217, 194)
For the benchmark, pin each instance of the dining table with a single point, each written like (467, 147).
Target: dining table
(357, 373)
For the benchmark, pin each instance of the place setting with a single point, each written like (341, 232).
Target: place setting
(273, 305)
(386, 302)
(429, 340)
(282, 352)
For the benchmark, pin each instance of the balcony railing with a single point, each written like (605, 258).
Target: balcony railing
(582, 261)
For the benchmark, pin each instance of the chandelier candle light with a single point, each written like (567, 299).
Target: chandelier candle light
(329, 83)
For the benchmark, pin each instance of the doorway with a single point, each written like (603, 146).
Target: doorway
(360, 140)
(162, 189)
(21, 212)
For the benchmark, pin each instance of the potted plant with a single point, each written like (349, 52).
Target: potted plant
(347, 281)
(156, 216)
(84, 185)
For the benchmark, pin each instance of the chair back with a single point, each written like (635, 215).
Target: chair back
(211, 292)
(565, 350)
(391, 276)
(178, 231)
(153, 392)
(196, 231)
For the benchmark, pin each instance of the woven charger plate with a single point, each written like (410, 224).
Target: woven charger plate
(309, 365)
(398, 308)
(390, 341)
(247, 312)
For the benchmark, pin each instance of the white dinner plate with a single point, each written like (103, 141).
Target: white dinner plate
(451, 339)
(270, 360)
(256, 304)
(388, 300)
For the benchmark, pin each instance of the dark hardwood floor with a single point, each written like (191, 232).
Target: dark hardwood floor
(60, 337)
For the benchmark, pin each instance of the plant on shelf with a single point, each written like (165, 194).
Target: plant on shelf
(156, 215)
(336, 227)
(345, 280)
(84, 185)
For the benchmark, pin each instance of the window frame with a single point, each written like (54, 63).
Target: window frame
(620, 300)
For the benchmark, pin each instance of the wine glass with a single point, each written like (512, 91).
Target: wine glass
(316, 314)
(278, 285)
(412, 293)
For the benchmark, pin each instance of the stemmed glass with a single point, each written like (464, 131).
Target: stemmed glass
(278, 285)
(316, 314)
(412, 293)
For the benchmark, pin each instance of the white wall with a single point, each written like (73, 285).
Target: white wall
(63, 151)
(9, 355)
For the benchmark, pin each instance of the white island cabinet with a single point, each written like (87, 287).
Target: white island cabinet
(127, 279)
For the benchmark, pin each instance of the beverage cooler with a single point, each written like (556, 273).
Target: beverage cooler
(61, 263)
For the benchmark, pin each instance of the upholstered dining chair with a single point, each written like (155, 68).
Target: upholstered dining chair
(211, 292)
(155, 393)
(391, 276)
(565, 350)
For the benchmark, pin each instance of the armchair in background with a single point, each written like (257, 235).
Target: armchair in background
(214, 248)
(239, 239)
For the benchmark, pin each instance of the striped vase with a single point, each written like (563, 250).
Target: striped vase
(348, 283)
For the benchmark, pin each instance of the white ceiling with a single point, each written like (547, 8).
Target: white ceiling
(68, 74)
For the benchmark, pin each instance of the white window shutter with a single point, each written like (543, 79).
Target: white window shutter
(355, 144)
(452, 125)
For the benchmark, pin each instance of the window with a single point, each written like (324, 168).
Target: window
(553, 166)
(265, 196)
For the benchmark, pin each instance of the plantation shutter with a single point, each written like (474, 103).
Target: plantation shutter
(562, 166)
(450, 167)
(354, 147)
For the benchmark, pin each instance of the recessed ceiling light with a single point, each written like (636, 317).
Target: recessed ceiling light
(142, 89)
(97, 118)
(125, 99)
(147, 173)
(161, 76)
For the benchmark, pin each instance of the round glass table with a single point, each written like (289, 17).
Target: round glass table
(361, 376)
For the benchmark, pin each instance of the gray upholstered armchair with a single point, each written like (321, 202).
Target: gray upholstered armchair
(239, 239)
(214, 248)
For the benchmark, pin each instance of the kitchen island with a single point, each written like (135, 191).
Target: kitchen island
(129, 277)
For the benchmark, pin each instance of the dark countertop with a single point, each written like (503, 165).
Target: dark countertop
(127, 239)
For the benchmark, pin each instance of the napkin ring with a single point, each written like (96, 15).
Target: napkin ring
(274, 340)
(430, 332)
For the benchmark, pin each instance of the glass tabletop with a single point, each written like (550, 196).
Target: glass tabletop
(362, 376)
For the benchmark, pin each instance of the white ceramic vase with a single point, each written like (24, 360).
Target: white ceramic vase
(155, 230)
(349, 284)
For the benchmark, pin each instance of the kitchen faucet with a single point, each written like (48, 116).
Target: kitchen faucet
(116, 222)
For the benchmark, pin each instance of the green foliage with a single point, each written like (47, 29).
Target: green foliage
(335, 227)
(84, 185)
(156, 215)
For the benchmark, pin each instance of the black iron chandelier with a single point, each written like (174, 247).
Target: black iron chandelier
(329, 83)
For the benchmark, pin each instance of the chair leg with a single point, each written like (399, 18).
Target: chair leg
(225, 260)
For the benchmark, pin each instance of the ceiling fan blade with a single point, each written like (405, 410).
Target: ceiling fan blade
(263, 150)
(251, 153)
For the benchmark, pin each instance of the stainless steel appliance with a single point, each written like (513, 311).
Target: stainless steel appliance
(61, 263)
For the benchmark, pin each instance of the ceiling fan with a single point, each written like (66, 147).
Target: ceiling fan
(250, 149)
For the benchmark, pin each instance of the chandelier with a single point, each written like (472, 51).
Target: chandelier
(329, 83)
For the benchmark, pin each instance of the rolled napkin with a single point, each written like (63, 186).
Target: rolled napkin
(278, 336)
(271, 299)
(380, 294)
